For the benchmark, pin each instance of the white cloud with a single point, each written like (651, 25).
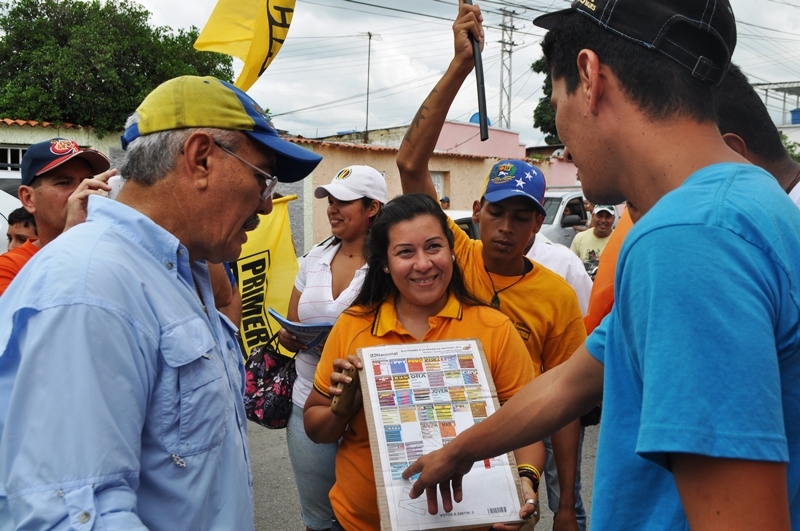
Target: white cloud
(324, 60)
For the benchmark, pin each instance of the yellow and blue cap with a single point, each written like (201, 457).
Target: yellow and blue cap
(193, 101)
(515, 178)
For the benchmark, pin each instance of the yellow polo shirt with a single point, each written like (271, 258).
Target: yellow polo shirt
(542, 306)
(354, 496)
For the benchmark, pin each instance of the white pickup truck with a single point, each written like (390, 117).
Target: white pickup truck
(557, 227)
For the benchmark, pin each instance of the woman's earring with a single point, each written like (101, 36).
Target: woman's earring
(454, 257)
(385, 269)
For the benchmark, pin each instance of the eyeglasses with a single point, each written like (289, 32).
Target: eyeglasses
(270, 180)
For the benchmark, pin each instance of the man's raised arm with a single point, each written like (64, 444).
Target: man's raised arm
(420, 140)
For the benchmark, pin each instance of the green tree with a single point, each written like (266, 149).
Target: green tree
(544, 117)
(90, 63)
(793, 148)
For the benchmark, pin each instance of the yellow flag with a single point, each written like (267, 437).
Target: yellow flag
(252, 30)
(265, 273)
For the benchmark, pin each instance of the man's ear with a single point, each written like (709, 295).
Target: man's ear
(591, 80)
(736, 143)
(476, 210)
(538, 225)
(199, 158)
(25, 194)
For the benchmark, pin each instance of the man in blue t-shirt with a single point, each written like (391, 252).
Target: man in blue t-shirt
(698, 363)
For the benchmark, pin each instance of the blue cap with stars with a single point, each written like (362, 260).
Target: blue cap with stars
(515, 178)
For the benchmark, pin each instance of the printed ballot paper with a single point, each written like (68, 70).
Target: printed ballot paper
(417, 398)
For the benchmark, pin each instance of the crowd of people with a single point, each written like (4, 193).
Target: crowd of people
(121, 375)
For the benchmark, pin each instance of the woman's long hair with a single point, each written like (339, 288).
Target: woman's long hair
(378, 286)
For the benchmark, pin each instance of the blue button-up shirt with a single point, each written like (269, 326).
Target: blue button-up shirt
(120, 386)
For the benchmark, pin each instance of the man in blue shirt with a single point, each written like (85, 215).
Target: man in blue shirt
(698, 363)
(120, 385)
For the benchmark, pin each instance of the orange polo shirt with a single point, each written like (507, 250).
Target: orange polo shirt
(354, 495)
(602, 298)
(12, 261)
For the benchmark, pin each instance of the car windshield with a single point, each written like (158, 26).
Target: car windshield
(551, 205)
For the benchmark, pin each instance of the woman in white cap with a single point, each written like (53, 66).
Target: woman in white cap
(328, 281)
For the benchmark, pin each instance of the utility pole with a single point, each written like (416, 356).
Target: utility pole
(369, 36)
(506, 49)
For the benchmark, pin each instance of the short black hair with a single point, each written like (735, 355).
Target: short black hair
(378, 286)
(657, 84)
(21, 216)
(739, 110)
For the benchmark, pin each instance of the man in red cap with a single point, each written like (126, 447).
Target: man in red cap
(57, 178)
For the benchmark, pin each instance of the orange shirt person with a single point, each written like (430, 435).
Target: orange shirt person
(57, 179)
(414, 291)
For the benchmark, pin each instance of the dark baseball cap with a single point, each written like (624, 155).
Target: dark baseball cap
(45, 156)
(698, 34)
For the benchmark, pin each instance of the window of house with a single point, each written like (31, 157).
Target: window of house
(11, 157)
(441, 182)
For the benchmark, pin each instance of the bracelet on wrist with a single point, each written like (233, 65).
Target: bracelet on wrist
(525, 473)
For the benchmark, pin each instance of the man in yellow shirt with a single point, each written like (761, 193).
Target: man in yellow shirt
(542, 306)
(589, 245)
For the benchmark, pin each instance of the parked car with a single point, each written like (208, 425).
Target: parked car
(463, 219)
(557, 227)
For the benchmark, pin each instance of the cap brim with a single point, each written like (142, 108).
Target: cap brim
(500, 195)
(340, 192)
(549, 20)
(98, 162)
(292, 162)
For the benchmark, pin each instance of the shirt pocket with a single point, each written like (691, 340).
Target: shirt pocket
(194, 395)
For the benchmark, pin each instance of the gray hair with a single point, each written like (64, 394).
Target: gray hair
(150, 157)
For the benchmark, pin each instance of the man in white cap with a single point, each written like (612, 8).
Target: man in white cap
(589, 244)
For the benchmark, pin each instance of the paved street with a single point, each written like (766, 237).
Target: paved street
(277, 506)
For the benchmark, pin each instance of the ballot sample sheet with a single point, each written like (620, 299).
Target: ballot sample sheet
(417, 398)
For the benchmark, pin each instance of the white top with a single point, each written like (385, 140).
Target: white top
(794, 195)
(565, 263)
(318, 306)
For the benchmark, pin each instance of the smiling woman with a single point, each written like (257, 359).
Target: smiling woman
(326, 284)
(413, 291)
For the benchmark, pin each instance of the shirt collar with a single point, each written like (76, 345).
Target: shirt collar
(142, 230)
(329, 253)
(386, 321)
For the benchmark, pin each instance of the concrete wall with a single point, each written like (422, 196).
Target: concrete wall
(561, 173)
(456, 137)
(464, 138)
(464, 177)
(26, 135)
(15, 135)
(380, 137)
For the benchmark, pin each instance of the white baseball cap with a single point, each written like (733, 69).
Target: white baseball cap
(355, 182)
(600, 208)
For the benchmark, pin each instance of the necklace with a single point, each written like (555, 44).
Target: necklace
(496, 297)
(793, 183)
